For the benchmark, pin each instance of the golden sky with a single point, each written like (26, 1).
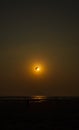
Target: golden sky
(44, 35)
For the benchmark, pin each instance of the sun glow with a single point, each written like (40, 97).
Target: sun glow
(37, 68)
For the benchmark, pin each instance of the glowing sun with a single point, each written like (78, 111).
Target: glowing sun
(37, 68)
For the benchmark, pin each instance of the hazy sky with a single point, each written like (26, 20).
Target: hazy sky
(44, 32)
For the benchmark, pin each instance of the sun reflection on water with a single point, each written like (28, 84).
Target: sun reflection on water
(39, 98)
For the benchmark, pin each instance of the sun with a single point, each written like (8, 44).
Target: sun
(36, 68)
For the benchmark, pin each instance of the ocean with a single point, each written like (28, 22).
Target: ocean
(39, 112)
